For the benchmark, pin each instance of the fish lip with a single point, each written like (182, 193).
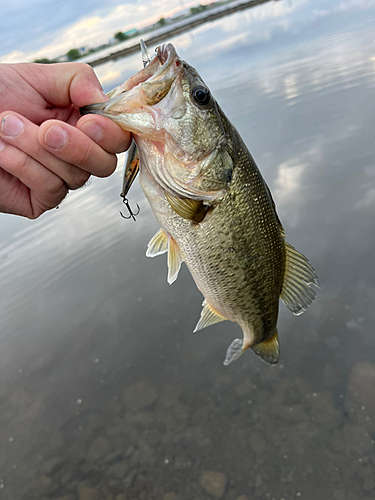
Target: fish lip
(164, 51)
(165, 54)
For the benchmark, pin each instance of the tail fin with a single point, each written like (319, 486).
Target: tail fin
(269, 349)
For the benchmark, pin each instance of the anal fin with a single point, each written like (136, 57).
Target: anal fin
(234, 351)
(208, 317)
(158, 244)
(299, 275)
(269, 349)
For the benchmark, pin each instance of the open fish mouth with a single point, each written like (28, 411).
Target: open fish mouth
(152, 105)
(152, 83)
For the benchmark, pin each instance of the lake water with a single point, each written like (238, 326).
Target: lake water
(105, 392)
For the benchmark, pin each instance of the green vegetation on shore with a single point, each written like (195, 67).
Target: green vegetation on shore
(75, 53)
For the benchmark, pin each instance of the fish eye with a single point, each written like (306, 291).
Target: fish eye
(201, 95)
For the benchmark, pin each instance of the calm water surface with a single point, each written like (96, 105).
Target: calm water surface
(105, 392)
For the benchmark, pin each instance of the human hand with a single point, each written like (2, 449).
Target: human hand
(46, 148)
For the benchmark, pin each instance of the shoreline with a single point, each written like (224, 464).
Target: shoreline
(190, 24)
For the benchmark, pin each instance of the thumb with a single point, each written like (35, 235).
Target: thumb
(67, 83)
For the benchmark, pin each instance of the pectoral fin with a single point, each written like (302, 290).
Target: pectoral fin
(208, 317)
(299, 275)
(269, 349)
(186, 208)
(158, 244)
(174, 260)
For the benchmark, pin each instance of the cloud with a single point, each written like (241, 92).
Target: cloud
(55, 36)
(368, 199)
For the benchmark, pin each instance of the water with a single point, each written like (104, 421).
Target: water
(104, 389)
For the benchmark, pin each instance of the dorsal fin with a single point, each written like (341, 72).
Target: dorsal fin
(269, 349)
(299, 275)
(158, 244)
(174, 260)
(208, 317)
(187, 208)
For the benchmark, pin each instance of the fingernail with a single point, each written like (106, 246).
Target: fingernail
(93, 130)
(2, 145)
(100, 96)
(56, 137)
(11, 126)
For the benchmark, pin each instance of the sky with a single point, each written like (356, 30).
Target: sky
(31, 29)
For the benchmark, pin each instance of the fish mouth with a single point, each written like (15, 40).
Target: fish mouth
(146, 88)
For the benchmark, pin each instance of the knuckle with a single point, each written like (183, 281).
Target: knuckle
(41, 202)
(80, 178)
(84, 157)
(86, 68)
(108, 167)
(24, 163)
(55, 188)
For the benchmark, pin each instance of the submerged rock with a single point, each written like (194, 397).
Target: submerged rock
(214, 482)
(169, 496)
(86, 493)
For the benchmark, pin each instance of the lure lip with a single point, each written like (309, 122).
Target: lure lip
(146, 58)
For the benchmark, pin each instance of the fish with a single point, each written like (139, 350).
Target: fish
(215, 211)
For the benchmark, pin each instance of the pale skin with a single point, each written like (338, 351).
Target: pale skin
(46, 147)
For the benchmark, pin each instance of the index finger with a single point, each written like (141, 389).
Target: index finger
(105, 132)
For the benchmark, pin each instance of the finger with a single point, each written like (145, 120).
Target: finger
(105, 132)
(23, 134)
(64, 83)
(74, 147)
(46, 189)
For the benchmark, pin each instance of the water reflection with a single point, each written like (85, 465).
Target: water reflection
(105, 392)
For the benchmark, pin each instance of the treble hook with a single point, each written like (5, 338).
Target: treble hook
(132, 214)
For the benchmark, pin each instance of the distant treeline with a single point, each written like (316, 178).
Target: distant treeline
(120, 36)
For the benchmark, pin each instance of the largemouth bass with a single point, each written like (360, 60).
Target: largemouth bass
(215, 210)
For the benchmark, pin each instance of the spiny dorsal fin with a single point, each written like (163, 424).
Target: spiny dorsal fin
(269, 349)
(208, 317)
(174, 260)
(158, 244)
(186, 208)
(299, 275)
